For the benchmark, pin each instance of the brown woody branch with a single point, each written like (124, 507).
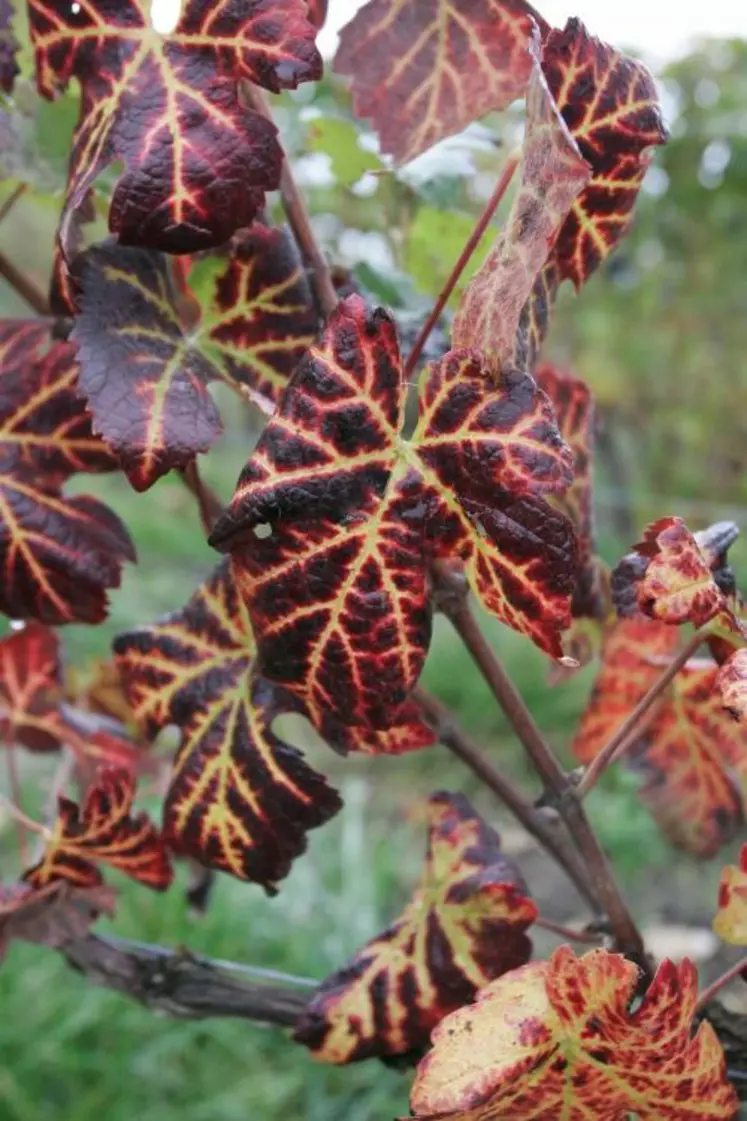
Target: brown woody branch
(26, 289)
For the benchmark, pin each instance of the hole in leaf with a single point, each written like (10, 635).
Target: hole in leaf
(263, 531)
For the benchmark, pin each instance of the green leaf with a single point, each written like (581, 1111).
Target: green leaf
(434, 241)
(339, 140)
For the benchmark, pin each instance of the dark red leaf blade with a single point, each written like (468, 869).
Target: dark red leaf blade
(8, 48)
(336, 517)
(196, 161)
(145, 370)
(424, 71)
(240, 799)
(59, 555)
(317, 12)
(52, 915)
(553, 172)
(464, 926)
(30, 688)
(103, 830)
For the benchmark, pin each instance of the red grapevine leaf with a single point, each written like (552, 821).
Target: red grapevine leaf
(730, 922)
(8, 47)
(690, 754)
(30, 688)
(553, 173)
(424, 71)
(336, 517)
(731, 681)
(103, 831)
(408, 731)
(53, 915)
(610, 104)
(558, 1039)
(240, 799)
(668, 577)
(196, 160)
(317, 12)
(464, 926)
(146, 371)
(59, 555)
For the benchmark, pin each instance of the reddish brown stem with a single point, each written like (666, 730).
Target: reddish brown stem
(210, 506)
(587, 937)
(555, 843)
(720, 983)
(627, 733)
(561, 792)
(25, 288)
(12, 199)
(464, 258)
(298, 217)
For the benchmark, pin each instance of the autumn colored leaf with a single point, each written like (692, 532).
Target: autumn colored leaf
(52, 915)
(196, 160)
(8, 47)
(103, 831)
(424, 71)
(59, 555)
(465, 925)
(30, 689)
(564, 1038)
(730, 922)
(610, 104)
(317, 12)
(552, 174)
(145, 367)
(690, 755)
(336, 517)
(731, 681)
(668, 578)
(240, 800)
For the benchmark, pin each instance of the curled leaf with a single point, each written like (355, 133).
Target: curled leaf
(103, 830)
(52, 915)
(424, 71)
(336, 516)
(464, 925)
(561, 1039)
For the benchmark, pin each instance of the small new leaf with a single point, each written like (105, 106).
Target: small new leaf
(103, 831)
(690, 754)
(730, 922)
(464, 926)
(553, 172)
(559, 1039)
(145, 370)
(169, 107)
(59, 555)
(240, 799)
(424, 71)
(669, 578)
(336, 516)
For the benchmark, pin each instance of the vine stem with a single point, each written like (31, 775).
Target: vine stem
(298, 217)
(453, 738)
(720, 983)
(587, 937)
(208, 502)
(12, 199)
(16, 794)
(561, 791)
(473, 241)
(25, 287)
(626, 734)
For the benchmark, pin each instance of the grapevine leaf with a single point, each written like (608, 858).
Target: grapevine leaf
(30, 688)
(317, 12)
(8, 47)
(690, 754)
(553, 172)
(336, 516)
(59, 555)
(730, 922)
(145, 369)
(591, 604)
(668, 577)
(53, 915)
(240, 800)
(196, 160)
(560, 1039)
(103, 830)
(424, 71)
(610, 104)
(464, 926)
(731, 682)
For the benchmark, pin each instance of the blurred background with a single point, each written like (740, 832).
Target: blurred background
(660, 334)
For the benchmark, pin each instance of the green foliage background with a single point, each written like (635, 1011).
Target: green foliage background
(660, 335)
